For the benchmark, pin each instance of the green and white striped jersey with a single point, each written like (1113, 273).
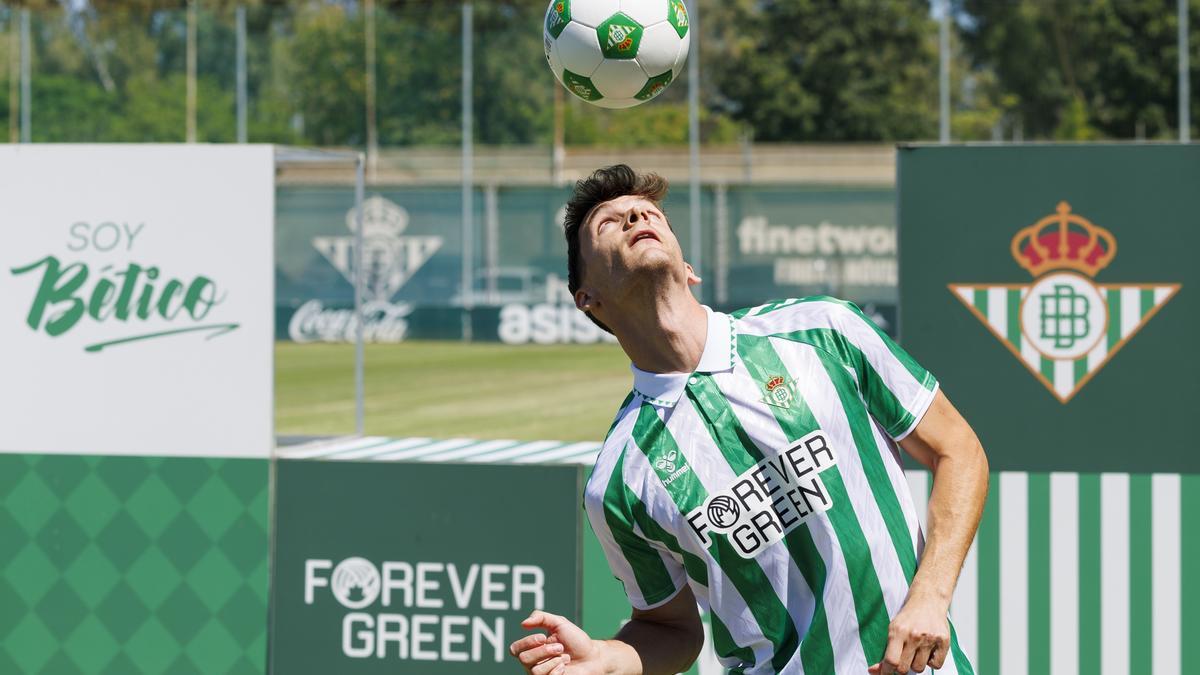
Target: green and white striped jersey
(769, 481)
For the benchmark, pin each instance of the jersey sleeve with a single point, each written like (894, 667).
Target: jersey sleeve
(896, 389)
(650, 573)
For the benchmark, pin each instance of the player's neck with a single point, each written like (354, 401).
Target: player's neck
(665, 335)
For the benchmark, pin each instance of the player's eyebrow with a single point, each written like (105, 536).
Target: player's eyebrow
(603, 210)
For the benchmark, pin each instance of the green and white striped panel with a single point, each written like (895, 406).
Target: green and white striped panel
(1080, 573)
(1129, 307)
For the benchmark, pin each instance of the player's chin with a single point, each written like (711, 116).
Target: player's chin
(651, 252)
(652, 259)
(655, 266)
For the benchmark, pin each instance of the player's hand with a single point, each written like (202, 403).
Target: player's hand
(564, 649)
(918, 637)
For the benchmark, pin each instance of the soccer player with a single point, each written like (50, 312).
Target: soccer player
(754, 470)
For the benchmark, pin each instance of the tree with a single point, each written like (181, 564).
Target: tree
(114, 72)
(821, 70)
(1082, 69)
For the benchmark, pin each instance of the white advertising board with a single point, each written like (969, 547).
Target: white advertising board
(136, 299)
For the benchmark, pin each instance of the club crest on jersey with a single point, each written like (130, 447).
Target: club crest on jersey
(779, 391)
(1063, 326)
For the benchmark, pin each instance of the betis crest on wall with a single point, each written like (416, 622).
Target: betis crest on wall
(1063, 326)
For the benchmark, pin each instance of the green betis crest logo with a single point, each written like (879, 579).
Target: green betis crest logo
(779, 391)
(654, 86)
(580, 86)
(1064, 327)
(557, 17)
(619, 36)
(678, 17)
(126, 294)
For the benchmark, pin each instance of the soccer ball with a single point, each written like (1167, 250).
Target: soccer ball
(616, 53)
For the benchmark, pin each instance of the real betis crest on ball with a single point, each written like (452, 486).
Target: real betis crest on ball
(616, 53)
(1063, 326)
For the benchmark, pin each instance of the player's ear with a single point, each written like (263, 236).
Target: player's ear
(692, 278)
(584, 301)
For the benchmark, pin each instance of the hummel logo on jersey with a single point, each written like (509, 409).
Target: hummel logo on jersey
(667, 462)
(770, 500)
(668, 469)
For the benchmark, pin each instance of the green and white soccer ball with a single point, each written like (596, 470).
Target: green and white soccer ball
(616, 53)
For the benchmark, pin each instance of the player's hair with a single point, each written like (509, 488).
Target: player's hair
(603, 185)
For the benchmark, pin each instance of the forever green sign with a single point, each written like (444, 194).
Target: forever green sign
(386, 567)
(1052, 289)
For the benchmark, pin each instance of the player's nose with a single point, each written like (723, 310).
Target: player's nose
(634, 216)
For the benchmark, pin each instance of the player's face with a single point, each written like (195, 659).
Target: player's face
(626, 240)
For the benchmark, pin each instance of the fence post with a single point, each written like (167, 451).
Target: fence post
(360, 279)
(240, 56)
(26, 81)
(1185, 95)
(694, 138)
(190, 103)
(721, 244)
(468, 162)
(491, 225)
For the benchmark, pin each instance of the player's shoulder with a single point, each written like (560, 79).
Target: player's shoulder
(615, 443)
(790, 315)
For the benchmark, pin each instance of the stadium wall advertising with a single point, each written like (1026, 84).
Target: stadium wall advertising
(1068, 572)
(1052, 289)
(133, 484)
(430, 568)
(758, 243)
(135, 311)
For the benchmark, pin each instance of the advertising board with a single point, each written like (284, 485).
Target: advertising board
(385, 567)
(135, 296)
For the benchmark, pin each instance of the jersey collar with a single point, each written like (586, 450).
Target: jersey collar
(665, 389)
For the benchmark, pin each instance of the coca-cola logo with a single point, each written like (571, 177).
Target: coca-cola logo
(382, 322)
(389, 260)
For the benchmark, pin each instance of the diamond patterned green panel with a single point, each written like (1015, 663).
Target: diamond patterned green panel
(132, 564)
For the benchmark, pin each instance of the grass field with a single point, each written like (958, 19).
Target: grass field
(451, 389)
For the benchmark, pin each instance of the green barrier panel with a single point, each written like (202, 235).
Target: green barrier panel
(398, 567)
(132, 564)
(1068, 570)
(1052, 290)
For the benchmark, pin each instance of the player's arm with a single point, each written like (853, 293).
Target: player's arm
(665, 639)
(919, 634)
